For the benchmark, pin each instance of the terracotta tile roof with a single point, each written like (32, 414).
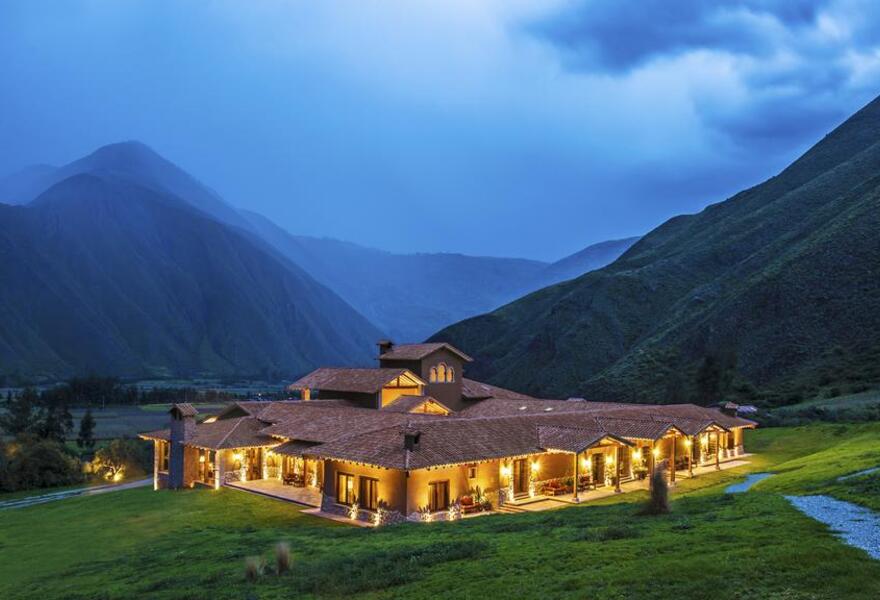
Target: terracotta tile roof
(572, 439)
(185, 408)
(367, 381)
(420, 351)
(243, 432)
(409, 404)
(318, 422)
(295, 448)
(474, 390)
(161, 434)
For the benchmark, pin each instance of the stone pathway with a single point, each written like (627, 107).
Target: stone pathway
(85, 491)
(743, 486)
(856, 525)
(858, 474)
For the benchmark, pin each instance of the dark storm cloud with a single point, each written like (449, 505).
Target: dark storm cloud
(795, 66)
(622, 34)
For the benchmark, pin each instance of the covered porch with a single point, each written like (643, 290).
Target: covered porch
(541, 502)
(277, 489)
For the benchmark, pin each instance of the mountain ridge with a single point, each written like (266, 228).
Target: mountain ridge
(700, 287)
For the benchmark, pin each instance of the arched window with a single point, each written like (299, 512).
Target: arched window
(433, 376)
(450, 375)
(441, 372)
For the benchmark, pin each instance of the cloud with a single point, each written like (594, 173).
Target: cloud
(762, 73)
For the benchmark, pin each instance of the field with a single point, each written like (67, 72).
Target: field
(193, 544)
(128, 421)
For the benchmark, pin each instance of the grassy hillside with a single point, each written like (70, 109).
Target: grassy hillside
(775, 290)
(175, 545)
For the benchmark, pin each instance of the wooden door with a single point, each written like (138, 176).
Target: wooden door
(598, 469)
(520, 476)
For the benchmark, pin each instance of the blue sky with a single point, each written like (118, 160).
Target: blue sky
(501, 128)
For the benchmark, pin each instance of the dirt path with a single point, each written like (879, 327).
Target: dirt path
(744, 486)
(856, 525)
(85, 491)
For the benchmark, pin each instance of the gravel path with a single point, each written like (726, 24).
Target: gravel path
(857, 525)
(858, 474)
(86, 491)
(744, 486)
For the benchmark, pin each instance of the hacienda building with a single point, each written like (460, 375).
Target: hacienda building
(414, 439)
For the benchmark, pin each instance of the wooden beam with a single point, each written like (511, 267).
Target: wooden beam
(717, 451)
(672, 460)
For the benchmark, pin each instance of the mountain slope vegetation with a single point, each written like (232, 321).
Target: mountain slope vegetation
(101, 275)
(772, 295)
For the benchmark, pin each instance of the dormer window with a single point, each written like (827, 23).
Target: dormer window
(442, 373)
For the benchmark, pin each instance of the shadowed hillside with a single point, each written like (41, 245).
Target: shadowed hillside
(101, 275)
(776, 290)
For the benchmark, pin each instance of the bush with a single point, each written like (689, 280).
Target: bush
(123, 457)
(282, 557)
(30, 462)
(658, 504)
(253, 568)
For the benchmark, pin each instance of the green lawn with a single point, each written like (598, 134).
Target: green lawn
(193, 544)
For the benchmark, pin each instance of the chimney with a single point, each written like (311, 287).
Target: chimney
(411, 439)
(384, 346)
(183, 426)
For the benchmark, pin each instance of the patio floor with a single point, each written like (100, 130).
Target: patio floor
(273, 488)
(540, 503)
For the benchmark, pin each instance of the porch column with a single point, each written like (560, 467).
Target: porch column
(576, 477)
(651, 467)
(218, 469)
(717, 451)
(156, 450)
(672, 460)
(690, 448)
(263, 453)
(617, 470)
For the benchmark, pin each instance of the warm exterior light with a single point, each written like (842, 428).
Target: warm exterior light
(535, 466)
(589, 462)
(202, 458)
(610, 459)
(505, 471)
(655, 452)
(688, 442)
(637, 454)
(237, 456)
(585, 462)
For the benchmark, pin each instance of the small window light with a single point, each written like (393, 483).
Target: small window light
(548, 409)
(522, 407)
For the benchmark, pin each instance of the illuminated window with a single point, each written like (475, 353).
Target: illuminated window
(450, 375)
(433, 376)
(345, 488)
(472, 471)
(368, 493)
(441, 372)
(438, 495)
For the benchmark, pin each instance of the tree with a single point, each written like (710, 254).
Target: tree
(54, 423)
(31, 462)
(86, 437)
(21, 414)
(122, 457)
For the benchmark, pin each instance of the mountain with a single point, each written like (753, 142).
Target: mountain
(773, 294)
(410, 296)
(589, 259)
(405, 296)
(107, 276)
(130, 161)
